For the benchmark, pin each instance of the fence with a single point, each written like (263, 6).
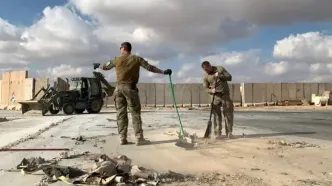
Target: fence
(252, 93)
(16, 86)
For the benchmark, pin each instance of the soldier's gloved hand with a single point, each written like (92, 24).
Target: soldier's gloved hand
(168, 72)
(96, 65)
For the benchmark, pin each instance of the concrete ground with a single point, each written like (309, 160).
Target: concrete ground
(252, 158)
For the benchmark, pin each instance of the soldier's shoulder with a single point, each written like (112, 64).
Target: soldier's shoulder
(219, 67)
(134, 56)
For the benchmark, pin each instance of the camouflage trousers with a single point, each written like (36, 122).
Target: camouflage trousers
(126, 97)
(224, 102)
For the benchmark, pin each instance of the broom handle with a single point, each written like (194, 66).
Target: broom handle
(176, 108)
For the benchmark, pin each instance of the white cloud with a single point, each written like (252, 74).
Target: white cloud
(312, 47)
(277, 69)
(64, 71)
(64, 43)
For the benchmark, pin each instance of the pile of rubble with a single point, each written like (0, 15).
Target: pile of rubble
(104, 171)
(295, 144)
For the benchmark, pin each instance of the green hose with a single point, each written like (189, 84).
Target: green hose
(176, 108)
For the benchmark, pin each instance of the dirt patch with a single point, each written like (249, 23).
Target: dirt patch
(247, 161)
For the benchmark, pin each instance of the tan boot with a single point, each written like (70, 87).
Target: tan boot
(230, 135)
(123, 142)
(218, 135)
(142, 141)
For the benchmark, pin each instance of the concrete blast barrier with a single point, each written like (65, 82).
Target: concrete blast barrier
(292, 91)
(142, 93)
(151, 94)
(29, 85)
(236, 93)
(314, 88)
(247, 94)
(259, 93)
(300, 91)
(168, 96)
(328, 86)
(186, 95)
(307, 91)
(62, 84)
(160, 94)
(39, 84)
(284, 91)
(13, 87)
(195, 90)
(204, 97)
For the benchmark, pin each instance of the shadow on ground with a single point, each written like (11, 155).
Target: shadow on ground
(250, 136)
(103, 112)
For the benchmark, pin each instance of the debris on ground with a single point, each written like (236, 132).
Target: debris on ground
(104, 171)
(65, 155)
(3, 119)
(34, 164)
(295, 144)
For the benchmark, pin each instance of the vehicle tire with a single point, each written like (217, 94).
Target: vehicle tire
(79, 111)
(68, 108)
(44, 112)
(52, 111)
(95, 106)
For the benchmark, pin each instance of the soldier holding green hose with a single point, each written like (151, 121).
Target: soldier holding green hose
(127, 67)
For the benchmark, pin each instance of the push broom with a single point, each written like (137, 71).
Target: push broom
(209, 125)
(182, 142)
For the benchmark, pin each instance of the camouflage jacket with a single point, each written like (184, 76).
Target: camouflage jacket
(127, 68)
(222, 85)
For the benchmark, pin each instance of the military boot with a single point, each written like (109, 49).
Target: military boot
(230, 135)
(142, 141)
(218, 135)
(123, 142)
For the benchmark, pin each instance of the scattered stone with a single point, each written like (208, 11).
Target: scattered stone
(43, 182)
(255, 169)
(295, 144)
(308, 182)
(284, 173)
(63, 155)
(149, 126)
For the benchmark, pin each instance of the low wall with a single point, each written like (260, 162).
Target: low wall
(18, 85)
(252, 93)
(259, 93)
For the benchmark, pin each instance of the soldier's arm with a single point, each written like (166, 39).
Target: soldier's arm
(224, 74)
(149, 67)
(109, 65)
(206, 85)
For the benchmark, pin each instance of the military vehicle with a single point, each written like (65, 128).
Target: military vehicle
(85, 93)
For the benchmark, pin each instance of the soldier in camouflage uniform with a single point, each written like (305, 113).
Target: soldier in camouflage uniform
(127, 68)
(222, 97)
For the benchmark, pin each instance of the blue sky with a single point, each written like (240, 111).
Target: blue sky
(24, 13)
